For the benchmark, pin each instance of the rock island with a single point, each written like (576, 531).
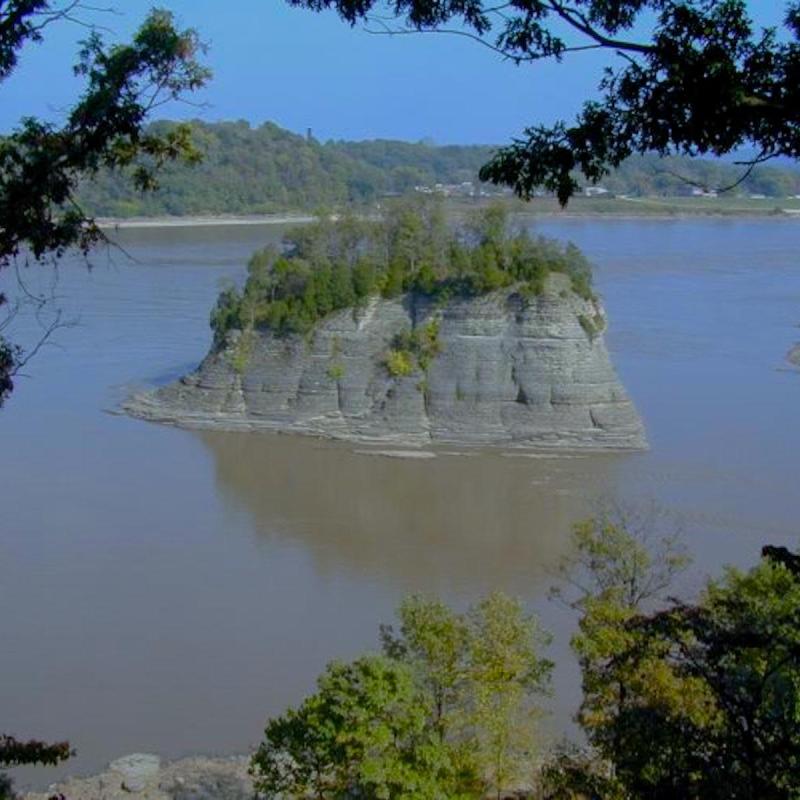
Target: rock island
(405, 330)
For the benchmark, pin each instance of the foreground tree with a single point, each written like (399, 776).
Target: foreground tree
(692, 77)
(364, 733)
(684, 699)
(737, 652)
(42, 164)
(447, 712)
(617, 571)
(505, 680)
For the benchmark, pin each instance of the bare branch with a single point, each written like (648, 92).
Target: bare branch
(48, 331)
(387, 30)
(750, 164)
(579, 22)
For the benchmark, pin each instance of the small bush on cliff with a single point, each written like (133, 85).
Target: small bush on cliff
(399, 363)
(414, 349)
(335, 264)
(593, 326)
(336, 371)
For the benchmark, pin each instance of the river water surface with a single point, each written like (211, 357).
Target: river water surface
(166, 590)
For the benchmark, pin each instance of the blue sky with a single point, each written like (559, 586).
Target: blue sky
(301, 70)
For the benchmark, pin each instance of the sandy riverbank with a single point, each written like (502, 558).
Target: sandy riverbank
(669, 214)
(202, 221)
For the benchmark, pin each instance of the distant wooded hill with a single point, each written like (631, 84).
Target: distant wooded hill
(268, 169)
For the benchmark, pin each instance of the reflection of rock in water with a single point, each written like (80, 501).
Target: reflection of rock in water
(477, 522)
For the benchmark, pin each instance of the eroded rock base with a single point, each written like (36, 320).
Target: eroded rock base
(507, 371)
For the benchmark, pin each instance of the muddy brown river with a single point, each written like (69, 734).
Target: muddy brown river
(166, 590)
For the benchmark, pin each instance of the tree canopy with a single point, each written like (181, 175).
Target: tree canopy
(340, 263)
(42, 163)
(449, 711)
(686, 699)
(693, 77)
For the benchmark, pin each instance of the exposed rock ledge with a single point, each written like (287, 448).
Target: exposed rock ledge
(511, 372)
(143, 775)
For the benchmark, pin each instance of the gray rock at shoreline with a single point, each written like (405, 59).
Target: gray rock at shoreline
(136, 770)
(142, 775)
(512, 372)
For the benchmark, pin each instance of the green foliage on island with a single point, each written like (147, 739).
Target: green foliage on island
(340, 263)
(267, 169)
(240, 357)
(413, 350)
(399, 363)
(680, 699)
(336, 371)
(592, 326)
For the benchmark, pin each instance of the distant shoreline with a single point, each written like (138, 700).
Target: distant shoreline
(209, 221)
(201, 221)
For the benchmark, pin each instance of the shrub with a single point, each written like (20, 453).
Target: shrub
(588, 326)
(336, 371)
(399, 363)
(446, 713)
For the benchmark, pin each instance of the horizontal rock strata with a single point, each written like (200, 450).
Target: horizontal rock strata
(510, 371)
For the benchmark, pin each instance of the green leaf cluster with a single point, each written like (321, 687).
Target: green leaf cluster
(719, 716)
(15, 752)
(399, 363)
(414, 350)
(43, 164)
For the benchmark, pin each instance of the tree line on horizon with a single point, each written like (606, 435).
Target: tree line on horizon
(267, 169)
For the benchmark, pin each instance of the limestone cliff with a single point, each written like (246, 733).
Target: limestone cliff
(503, 370)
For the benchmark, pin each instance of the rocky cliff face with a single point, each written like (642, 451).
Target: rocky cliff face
(505, 371)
